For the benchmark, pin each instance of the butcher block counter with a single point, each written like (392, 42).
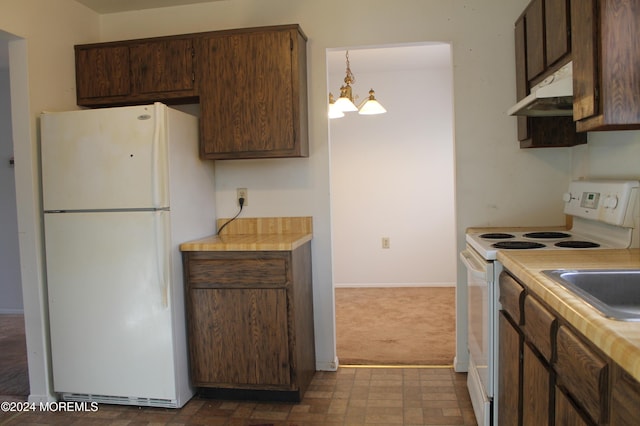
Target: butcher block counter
(256, 234)
(619, 340)
(249, 303)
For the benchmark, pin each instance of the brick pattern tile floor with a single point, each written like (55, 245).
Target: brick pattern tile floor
(351, 396)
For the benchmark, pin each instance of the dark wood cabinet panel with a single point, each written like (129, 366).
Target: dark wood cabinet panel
(511, 297)
(251, 85)
(583, 373)
(534, 29)
(239, 337)
(163, 66)
(510, 348)
(563, 378)
(522, 83)
(566, 414)
(542, 44)
(547, 132)
(625, 406)
(136, 72)
(539, 326)
(102, 72)
(253, 94)
(584, 27)
(557, 26)
(536, 389)
(606, 72)
(250, 321)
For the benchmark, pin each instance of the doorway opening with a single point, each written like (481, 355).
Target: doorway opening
(393, 207)
(14, 376)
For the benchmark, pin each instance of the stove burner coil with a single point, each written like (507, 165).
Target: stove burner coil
(546, 235)
(496, 236)
(517, 245)
(577, 244)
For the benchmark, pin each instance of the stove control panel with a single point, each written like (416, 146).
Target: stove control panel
(609, 201)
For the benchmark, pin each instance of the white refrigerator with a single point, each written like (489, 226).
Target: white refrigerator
(122, 188)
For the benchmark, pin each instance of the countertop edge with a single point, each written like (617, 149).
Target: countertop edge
(248, 242)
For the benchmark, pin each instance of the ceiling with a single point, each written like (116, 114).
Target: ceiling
(114, 6)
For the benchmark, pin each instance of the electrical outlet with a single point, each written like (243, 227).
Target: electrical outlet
(385, 243)
(242, 193)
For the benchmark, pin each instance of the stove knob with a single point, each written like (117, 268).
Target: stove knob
(611, 202)
(566, 197)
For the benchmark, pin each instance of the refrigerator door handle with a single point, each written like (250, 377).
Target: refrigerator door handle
(162, 260)
(158, 159)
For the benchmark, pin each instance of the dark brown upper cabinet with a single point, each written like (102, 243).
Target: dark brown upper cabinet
(135, 72)
(251, 85)
(606, 74)
(253, 93)
(547, 37)
(542, 41)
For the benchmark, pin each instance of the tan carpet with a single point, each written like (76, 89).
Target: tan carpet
(395, 326)
(14, 376)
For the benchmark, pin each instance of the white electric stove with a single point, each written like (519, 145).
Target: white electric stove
(606, 215)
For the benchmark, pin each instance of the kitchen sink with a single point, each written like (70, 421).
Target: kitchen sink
(613, 292)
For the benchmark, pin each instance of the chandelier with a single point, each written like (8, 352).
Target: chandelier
(337, 108)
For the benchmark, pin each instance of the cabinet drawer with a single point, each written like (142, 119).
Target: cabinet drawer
(539, 324)
(511, 294)
(583, 373)
(212, 273)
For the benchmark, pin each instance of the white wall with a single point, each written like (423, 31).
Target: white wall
(392, 175)
(10, 285)
(608, 155)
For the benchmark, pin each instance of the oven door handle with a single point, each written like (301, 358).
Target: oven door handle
(473, 267)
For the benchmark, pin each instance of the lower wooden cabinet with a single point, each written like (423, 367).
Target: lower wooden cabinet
(549, 374)
(536, 387)
(509, 401)
(625, 397)
(567, 414)
(250, 322)
(583, 373)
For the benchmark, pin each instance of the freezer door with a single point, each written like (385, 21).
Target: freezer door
(109, 305)
(112, 158)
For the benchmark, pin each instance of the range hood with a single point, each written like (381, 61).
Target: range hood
(552, 97)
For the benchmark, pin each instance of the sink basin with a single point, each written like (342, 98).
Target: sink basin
(613, 292)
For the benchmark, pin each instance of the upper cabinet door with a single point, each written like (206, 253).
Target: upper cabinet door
(253, 95)
(605, 64)
(136, 72)
(534, 29)
(557, 25)
(102, 72)
(584, 30)
(163, 66)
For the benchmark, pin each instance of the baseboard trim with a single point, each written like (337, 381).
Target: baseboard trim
(391, 285)
(11, 311)
(446, 366)
(327, 366)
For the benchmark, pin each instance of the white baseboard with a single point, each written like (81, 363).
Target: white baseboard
(387, 285)
(327, 366)
(11, 311)
(37, 399)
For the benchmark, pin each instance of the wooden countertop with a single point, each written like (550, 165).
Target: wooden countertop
(620, 340)
(256, 234)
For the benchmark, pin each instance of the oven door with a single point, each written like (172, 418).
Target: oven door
(480, 277)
